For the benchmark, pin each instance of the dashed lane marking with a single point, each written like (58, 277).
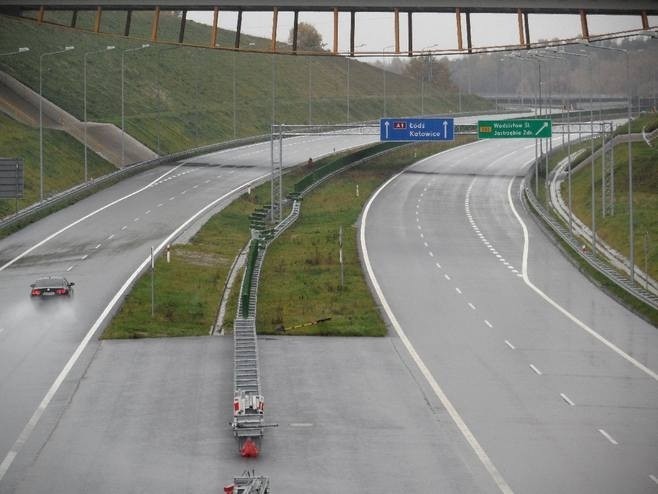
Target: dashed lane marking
(608, 437)
(567, 399)
(509, 344)
(470, 438)
(549, 300)
(534, 368)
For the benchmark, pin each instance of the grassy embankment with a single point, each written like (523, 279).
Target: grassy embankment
(63, 161)
(178, 98)
(614, 229)
(302, 261)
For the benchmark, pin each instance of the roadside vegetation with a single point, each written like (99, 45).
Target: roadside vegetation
(614, 229)
(188, 289)
(178, 98)
(63, 161)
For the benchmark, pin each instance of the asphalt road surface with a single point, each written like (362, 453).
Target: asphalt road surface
(82, 416)
(555, 381)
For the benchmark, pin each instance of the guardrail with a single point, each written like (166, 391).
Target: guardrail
(248, 403)
(30, 213)
(614, 276)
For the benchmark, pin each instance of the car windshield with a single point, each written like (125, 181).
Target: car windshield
(51, 283)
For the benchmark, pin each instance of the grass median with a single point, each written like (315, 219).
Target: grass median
(188, 289)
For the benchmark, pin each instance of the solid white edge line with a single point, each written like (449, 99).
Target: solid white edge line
(608, 437)
(80, 220)
(452, 411)
(573, 318)
(32, 423)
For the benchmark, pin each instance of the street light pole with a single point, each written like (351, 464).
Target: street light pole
(347, 59)
(123, 78)
(84, 71)
(631, 228)
(384, 72)
(66, 48)
(22, 49)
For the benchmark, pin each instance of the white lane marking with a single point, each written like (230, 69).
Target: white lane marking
(537, 371)
(446, 277)
(84, 257)
(431, 254)
(471, 306)
(488, 323)
(172, 198)
(32, 423)
(458, 291)
(438, 265)
(124, 227)
(148, 211)
(110, 237)
(450, 408)
(98, 246)
(207, 181)
(608, 437)
(2, 330)
(574, 319)
(510, 345)
(567, 399)
(301, 424)
(160, 205)
(422, 235)
(80, 220)
(425, 243)
(195, 186)
(654, 478)
(183, 193)
(136, 219)
(69, 269)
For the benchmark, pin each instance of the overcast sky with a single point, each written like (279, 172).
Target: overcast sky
(375, 29)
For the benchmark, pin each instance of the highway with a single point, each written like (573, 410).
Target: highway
(554, 381)
(553, 408)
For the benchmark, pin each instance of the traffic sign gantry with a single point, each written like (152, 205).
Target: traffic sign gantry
(511, 129)
(417, 129)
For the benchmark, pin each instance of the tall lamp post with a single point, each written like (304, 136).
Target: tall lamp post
(384, 72)
(347, 59)
(123, 111)
(22, 49)
(66, 48)
(631, 231)
(107, 48)
(428, 58)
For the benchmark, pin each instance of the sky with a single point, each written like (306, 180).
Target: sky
(374, 30)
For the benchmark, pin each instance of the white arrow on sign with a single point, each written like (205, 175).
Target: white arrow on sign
(387, 123)
(541, 128)
(445, 129)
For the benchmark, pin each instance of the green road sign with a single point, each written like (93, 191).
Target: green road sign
(511, 129)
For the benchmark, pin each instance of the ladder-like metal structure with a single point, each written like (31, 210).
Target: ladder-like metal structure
(608, 177)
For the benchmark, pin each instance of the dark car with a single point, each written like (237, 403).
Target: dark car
(52, 287)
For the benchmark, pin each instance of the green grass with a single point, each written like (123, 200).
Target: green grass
(615, 229)
(183, 97)
(63, 161)
(300, 281)
(188, 290)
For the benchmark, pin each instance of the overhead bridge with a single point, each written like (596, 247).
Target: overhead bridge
(401, 10)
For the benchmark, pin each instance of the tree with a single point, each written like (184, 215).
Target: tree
(308, 38)
(431, 70)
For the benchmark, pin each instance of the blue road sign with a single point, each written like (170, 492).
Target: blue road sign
(417, 129)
